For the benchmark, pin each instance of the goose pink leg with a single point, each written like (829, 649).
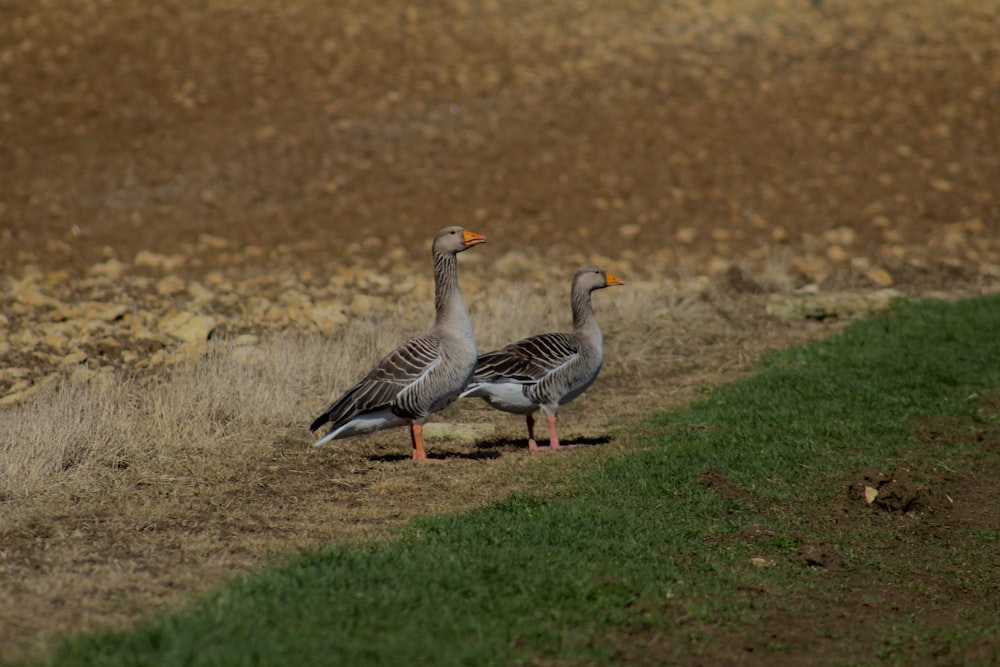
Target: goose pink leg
(417, 437)
(532, 444)
(553, 437)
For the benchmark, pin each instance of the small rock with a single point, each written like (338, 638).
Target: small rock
(836, 253)
(109, 269)
(199, 293)
(195, 348)
(686, 234)
(879, 276)
(56, 340)
(187, 327)
(27, 293)
(298, 316)
(842, 236)
(213, 241)
(871, 493)
(326, 317)
(155, 260)
(170, 285)
(629, 231)
(74, 358)
(90, 310)
(717, 265)
(362, 304)
(21, 394)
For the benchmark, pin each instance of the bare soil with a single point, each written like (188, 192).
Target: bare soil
(748, 147)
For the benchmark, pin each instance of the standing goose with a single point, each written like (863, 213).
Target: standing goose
(550, 369)
(424, 374)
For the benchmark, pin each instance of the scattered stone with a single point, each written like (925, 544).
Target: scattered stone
(155, 260)
(879, 276)
(871, 493)
(362, 304)
(245, 348)
(199, 293)
(717, 265)
(56, 340)
(170, 285)
(326, 317)
(213, 241)
(841, 236)
(109, 269)
(686, 235)
(90, 310)
(629, 231)
(23, 393)
(27, 293)
(298, 316)
(836, 253)
(187, 327)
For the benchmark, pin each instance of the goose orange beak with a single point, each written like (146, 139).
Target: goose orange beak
(612, 279)
(472, 238)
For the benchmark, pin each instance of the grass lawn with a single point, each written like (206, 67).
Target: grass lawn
(733, 532)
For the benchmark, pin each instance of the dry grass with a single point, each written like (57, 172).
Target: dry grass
(214, 417)
(145, 489)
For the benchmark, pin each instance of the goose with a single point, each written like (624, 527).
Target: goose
(424, 374)
(550, 369)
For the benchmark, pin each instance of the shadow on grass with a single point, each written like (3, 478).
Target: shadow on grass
(522, 443)
(443, 456)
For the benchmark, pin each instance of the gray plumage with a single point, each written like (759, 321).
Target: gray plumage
(424, 374)
(547, 370)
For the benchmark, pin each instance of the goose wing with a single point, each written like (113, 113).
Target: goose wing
(527, 361)
(402, 368)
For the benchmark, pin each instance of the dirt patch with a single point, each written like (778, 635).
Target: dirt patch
(943, 528)
(894, 491)
(263, 165)
(725, 487)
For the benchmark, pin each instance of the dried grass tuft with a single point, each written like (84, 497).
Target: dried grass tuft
(213, 418)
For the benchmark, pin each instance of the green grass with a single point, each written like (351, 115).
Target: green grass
(570, 580)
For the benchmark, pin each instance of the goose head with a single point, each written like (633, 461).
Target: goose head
(594, 277)
(455, 239)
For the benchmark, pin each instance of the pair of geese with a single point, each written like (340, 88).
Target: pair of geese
(427, 373)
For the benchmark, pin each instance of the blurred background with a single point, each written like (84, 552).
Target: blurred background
(852, 142)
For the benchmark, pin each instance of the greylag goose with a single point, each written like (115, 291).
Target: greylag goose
(424, 374)
(550, 369)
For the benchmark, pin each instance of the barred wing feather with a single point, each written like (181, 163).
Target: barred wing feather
(528, 360)
(401, 368)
